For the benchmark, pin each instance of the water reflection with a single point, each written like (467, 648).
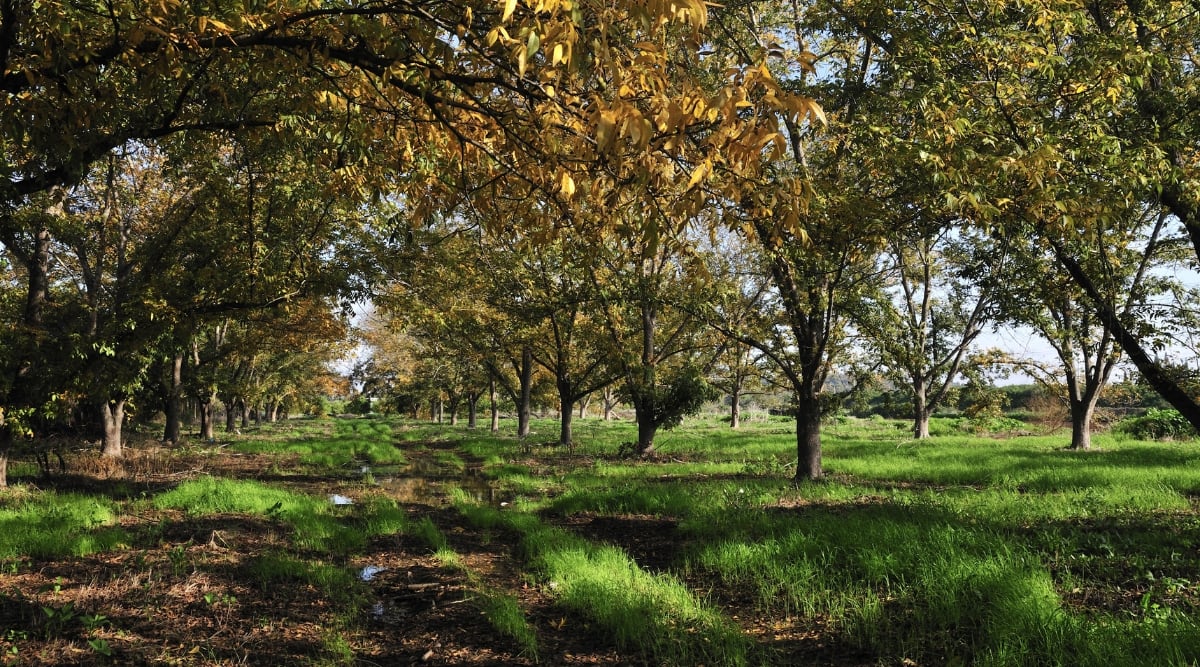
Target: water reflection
(368, 573)
(424, 481)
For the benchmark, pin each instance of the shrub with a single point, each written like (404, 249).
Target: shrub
(1158, 424)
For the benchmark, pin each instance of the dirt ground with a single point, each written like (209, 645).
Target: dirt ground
(184, 592)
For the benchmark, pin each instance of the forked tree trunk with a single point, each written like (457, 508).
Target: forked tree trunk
(1082, 413)
(583, 406)
(610, 401)
(112, 416)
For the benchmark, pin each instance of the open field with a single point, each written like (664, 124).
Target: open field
(377, 542)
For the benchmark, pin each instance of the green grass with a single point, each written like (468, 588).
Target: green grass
(962, 548)
(317, 524)
(53, 525)
(501, 608)
(654, 614)
(332, 443)
(333, 581)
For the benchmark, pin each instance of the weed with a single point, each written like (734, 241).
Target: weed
(101, 647)
(428, 533)
(179, 560)
(93, 621)
(337, 648)
(57, 619)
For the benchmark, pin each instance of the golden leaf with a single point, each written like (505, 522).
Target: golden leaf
(510, 6)
(699, 173)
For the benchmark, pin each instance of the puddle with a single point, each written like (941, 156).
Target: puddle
(368, 573)
(424, 481)
(338, 499)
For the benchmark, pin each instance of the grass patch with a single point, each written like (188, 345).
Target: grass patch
(336, 444)
(654, 614)
(961, 548)
(500, 608)
(312, 519)
(52, 525)
(334, 582)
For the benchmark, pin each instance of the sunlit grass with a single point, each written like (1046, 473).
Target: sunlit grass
(314, 520)
(956, 549)
(654, 614)
(45, 524)
(331, 443)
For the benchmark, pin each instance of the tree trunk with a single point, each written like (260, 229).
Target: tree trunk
(112, 416)
(244, 413)
(6, 438)
(173, 403)
(647, 429)
(583, 406)
(207, 430)
(494, 400)
(454, 411)
(37, 267)
(921, 410)
(610, 402)
(808, 439)
(230, 414)
(1082, 413)
(273, 412)
(523, 407)
(436, 409)
(472, 409)
(921, 424)
(564, 424)
(735, 409)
